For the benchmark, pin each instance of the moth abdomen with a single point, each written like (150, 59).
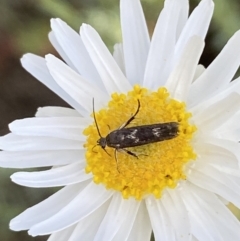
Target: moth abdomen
(142, 135)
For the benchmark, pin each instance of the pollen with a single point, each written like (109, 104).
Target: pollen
(156, 166)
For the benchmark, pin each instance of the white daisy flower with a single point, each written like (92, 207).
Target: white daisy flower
(179, 186)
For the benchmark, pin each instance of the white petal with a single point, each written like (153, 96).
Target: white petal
(230, 146)
(52, 38)
(120, 211)
(62, 235)
(11, 142)
(199, 71)
(234, 174)
(218, 74)
(162, 228)
(230, 130)
(231, 88)
(177, 214)
(75, 85)
(215, 155)
(56, 111)
(194, 239)
(161, 51)
(136, 40)
(46, 208)
(130, 217)
(112, 77)
(226, 222)
(142, 228)
(197, 24)
(87, 228)
(223, 200)
(203, 227)
(119, 56)
(215, 170)
(56, 177)
(234, 86)
(71, 42)
(178, 84)
(232, 124)
(61, 127)
(29, 159)
(231, 135)
(212, 180)
(183, 16)
(213, 116)
(86, 202)
(36, 66)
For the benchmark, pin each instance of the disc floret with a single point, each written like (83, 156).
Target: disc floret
(159, 165)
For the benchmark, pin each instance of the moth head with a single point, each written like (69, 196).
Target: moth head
(102, 142)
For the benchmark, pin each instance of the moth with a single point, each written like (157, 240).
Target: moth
(125, 137)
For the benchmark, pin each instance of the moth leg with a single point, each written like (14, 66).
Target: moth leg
(128, 152)
(132, 153)
(116, 159)
(123, 150)
(131, 118)
(141, 154)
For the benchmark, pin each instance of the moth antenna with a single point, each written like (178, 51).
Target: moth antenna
(93, 149)
(96, 120)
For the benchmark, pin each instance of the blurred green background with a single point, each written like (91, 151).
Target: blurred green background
(24, 26)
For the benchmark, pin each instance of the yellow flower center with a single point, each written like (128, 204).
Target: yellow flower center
(158, 165)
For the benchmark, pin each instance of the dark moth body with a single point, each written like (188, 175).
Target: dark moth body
(141, 135)
(137, 135)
